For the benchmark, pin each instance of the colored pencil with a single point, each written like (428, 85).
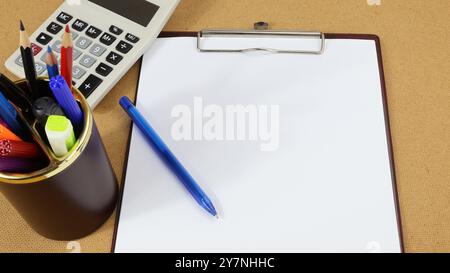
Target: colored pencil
(67, 56)
(28, 61)
(52, 63)
(5, 133)
(18, 165)
(18, 149)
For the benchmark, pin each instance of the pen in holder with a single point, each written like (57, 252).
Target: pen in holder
(71, 196)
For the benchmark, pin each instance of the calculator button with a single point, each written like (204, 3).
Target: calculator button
(54, 28)
(87, 61)
(44, 57)
(79, 25)
(115, 30)
(114, 58)
(36, 49)
(103, 69)
(78, 72)
(131, 38)
(74, 35)
(43, 38)
(124, 47)
(83, 42)
(97, 50)
(40, 67)
(93, 32)
(89, 85)
(19, 61)
(76, 54)
(64, 18)
(107, 39)
(57, 46)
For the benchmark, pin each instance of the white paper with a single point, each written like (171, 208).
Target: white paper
(328, 186)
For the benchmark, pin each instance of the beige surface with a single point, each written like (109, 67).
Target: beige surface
(415, 36)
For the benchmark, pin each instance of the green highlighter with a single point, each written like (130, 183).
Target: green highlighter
(60, 134)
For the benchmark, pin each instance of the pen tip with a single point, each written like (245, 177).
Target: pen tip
(22, 28)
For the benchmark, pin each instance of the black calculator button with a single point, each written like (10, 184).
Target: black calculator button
(124, 47)
(54, 28)
(93, 32)
(103, 69)
(107, 38)
(131, 38)
(113, 58)
(64, 18)
(115, 30)
(43, 38)
(89, 85)
(79, 25)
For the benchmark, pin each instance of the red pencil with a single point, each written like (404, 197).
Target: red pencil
(67, 56)
(18, 149)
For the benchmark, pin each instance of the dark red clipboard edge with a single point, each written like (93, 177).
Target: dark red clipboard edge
(386, 119)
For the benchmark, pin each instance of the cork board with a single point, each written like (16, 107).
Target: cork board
(415, 35)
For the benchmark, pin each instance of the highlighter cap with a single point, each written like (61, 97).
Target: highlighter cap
(60, 134)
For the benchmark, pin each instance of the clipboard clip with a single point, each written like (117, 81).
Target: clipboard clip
(261, 29)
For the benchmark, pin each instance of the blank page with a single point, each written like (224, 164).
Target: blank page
(325, 185)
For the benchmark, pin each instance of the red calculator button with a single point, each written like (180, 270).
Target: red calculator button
(36, 49)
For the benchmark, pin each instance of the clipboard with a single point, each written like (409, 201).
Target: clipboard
(260, 29)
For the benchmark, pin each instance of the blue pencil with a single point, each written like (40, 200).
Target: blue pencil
(68, 104)
(168, 157)
(52, 63)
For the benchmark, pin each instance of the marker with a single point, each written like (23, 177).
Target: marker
(69, 105)
(17, 165)
(5, 133)
(168, 157)
(15, 94)
(45, 107)
(19, 149)
(9, 115)
(60, 134)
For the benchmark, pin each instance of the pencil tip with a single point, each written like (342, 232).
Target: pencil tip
(49, 49)
(67, 29)
(22, 28)
(217, 216)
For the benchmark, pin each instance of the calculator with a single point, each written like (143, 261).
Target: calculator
(109, 36)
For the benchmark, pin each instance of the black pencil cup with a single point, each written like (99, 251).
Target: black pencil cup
(70, 197)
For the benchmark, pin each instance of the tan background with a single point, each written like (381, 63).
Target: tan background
(415, 37)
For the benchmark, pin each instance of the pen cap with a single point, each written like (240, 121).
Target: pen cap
(71, 196)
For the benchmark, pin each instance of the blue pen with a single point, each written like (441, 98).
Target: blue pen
(167, 156)
(9, 115)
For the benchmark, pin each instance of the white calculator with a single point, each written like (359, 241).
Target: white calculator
(109, 36)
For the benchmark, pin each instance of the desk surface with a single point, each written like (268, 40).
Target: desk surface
(415, 36)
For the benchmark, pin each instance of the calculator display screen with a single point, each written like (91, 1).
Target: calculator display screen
(138, 11)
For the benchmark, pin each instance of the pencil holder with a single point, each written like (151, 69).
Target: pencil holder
(72, 196)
